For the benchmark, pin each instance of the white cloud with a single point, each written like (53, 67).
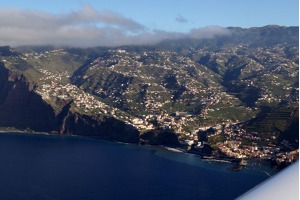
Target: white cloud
(86, 27)
(209, 32)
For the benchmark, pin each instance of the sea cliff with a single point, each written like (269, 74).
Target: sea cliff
(23, 109)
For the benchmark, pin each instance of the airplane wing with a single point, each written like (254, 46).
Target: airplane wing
(284, 185)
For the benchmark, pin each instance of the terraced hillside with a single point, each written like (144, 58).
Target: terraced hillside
(176, 85)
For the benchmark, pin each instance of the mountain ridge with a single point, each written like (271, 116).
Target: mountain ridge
(176, 85)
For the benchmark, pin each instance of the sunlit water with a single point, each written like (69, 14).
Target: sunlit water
(57, 167)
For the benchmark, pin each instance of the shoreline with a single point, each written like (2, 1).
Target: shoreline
(235, 161)
(24, 132)
(172, 149)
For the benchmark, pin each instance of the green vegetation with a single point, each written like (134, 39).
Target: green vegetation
(213, 140)
(178, 84)
(277, 119)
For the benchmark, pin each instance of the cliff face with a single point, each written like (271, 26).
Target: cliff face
(161, 137)
(22, 108)
(103, 127)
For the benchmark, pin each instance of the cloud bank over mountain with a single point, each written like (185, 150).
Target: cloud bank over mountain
(85, 28)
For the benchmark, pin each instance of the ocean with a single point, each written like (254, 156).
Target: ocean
(72, 167)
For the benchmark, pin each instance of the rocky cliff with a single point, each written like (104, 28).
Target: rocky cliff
(22, 108)
(160, 137)
(69, 122)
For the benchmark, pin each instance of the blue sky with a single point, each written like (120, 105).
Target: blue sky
(147, 19)
(196, 13)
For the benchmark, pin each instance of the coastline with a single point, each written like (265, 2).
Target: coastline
(178, 150)
(76, 158)
(236, 166)
(24, 132)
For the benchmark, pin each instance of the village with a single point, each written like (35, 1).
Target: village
(189, 109)
(233, 134)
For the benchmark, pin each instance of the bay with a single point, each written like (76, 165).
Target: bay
(65, 167)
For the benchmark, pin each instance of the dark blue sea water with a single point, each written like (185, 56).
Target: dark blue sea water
(56, 167)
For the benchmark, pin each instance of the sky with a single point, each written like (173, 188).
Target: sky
(116, 22)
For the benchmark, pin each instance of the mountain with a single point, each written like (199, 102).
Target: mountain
(160, 93)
